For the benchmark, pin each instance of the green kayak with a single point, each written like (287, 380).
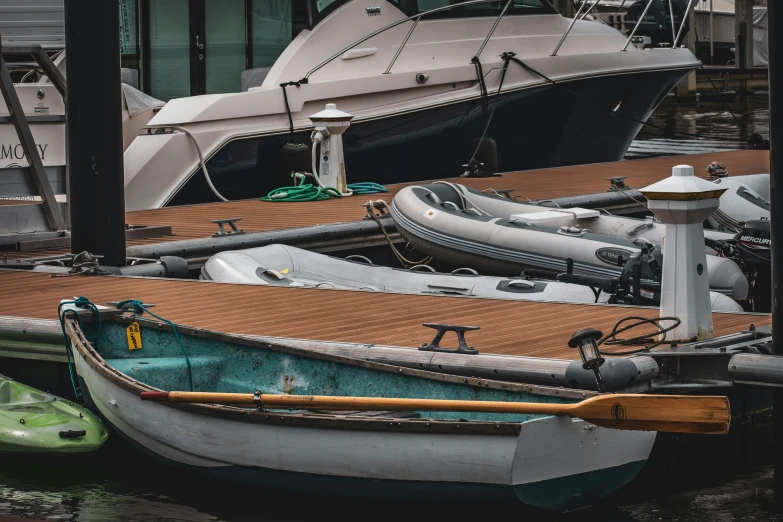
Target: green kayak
(32, 421)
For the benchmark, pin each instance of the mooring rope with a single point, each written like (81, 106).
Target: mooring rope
(79, 302)
(139, 309)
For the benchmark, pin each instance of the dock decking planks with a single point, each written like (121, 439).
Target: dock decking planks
(507, 327)
(193, 221)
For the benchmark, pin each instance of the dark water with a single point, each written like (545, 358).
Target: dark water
(117, 483)
(701, 127)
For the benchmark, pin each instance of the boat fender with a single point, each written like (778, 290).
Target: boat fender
(616, 374)
(175, 266)
(168, 266)
(486, 154)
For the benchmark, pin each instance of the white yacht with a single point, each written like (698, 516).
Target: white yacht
(424, 80)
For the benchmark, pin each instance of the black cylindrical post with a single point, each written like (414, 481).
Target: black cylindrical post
(96, 181)
(776, 217)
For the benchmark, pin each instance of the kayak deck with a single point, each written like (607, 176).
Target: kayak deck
(32, 421)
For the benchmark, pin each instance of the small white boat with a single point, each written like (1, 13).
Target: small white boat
(557, 463)
(282, 265)
(490, 233)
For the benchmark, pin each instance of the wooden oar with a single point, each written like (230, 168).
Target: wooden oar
(676, 413)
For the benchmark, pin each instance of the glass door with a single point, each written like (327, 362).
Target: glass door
(168, 51)
(226, 51)
(192, 47)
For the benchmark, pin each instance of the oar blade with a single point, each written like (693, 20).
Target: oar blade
(668, 413)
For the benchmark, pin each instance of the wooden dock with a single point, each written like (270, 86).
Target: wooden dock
(193, 221)
(507, 326)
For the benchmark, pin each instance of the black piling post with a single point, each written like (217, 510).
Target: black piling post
(96, 180)
(776, 215)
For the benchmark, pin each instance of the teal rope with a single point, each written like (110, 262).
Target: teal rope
(366, 188)
(81, 302)
(139, 309)
(308, 192)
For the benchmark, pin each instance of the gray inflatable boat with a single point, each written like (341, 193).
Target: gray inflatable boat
(497, 235)
(281, 265)
(746, 199)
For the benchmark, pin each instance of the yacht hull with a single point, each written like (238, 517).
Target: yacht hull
(569, 123)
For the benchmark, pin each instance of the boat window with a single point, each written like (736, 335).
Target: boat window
(272, 29)
(517, 7)
(323, 8)
(322, 5)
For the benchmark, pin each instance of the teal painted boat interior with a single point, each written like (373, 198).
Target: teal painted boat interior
(221, 366)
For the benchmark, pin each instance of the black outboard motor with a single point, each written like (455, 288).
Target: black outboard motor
(656, 27)
(640, 280)
(753, 248)
(639, 283)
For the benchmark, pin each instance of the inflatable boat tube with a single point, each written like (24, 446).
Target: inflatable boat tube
(495, 205)
(746, 199)
(439, 221)
(281, 265)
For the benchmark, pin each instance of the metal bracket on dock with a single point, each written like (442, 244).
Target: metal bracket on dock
(617, 184)
(230, 222)
(434, 345)
(380, 205)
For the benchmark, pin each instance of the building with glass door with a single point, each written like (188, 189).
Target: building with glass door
(189, 47)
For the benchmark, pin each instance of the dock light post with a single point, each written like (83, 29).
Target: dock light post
(586, 341)
(329, 126)
(682, 202)
(96, 178)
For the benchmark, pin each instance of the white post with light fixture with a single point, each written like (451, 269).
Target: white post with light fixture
(329, 126)
(682, 202)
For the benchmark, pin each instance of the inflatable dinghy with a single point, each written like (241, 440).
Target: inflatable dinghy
(470, 228)
(746, 199)
(281, 265)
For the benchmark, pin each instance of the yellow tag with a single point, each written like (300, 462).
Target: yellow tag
(284, 271)
(134, 336)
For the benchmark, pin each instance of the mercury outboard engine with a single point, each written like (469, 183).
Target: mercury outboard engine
(751, 250)
(655, 30)
(753, 253)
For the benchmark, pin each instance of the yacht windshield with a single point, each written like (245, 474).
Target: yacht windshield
(517, 7)
(320, 9)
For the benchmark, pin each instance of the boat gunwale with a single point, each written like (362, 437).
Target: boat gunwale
(314, 419)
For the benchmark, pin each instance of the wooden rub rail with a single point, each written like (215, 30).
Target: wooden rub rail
(507, 327)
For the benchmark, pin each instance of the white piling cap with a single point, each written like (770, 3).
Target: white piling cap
(682, 185)
(331, 114)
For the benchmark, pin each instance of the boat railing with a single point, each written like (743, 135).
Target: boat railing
(671, 16)
(417, 17)
(682, 23)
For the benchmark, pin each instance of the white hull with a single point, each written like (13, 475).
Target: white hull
(546, 449)
(282, 265)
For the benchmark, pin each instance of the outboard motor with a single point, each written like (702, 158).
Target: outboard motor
(655, 30)
(639, 283)
(753, 249)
